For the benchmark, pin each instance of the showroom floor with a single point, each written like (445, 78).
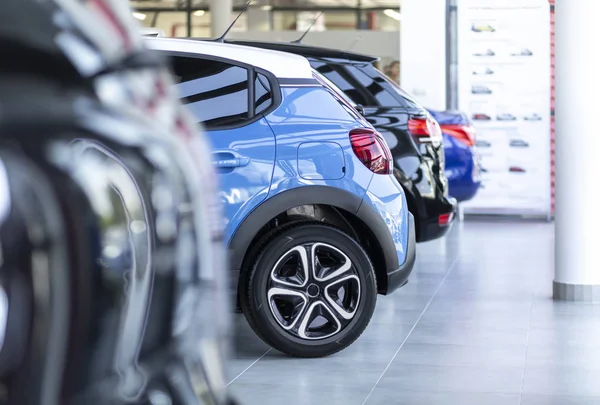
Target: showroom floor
(475, 326)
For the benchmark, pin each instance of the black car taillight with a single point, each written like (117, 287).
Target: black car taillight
(426, 129)
(372, 150)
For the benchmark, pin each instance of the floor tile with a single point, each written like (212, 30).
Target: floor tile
(386, 333)
(501, 380)
(587, 358)
(389, 396)
(458, 355)
(272, 394)
(448, 332)
(557, 380)
(558, 400)
(312, 373)
(563, 337)
(588, 323)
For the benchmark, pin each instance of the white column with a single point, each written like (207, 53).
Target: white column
(423, 51)
(577, 69)
(221, 16)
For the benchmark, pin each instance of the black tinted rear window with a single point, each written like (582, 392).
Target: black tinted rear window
(337, 75)
(390, 87)
(365, 85)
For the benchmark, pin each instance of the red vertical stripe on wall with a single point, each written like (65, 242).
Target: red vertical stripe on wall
(552, 126)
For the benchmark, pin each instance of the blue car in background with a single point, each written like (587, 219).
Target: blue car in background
(315, 222)
(462, 169)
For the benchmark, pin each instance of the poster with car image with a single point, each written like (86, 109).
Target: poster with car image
(504, 87)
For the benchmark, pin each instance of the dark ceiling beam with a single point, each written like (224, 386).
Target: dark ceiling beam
(275, 8)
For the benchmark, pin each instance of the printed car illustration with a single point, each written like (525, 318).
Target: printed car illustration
(481, 117)
(506, 117)
(482, 28)
(477, 89)
(522, 52)
(532, 117)
(518, 143)
(487, 52)
(483, 71)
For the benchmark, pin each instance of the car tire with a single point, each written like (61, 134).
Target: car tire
(301, 312)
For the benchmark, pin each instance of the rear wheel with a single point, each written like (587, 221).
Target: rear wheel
(311, 291)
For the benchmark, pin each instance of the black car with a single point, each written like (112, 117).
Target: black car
(412, 134)
(111, 253)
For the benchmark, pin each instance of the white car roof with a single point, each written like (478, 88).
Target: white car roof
(280, 64)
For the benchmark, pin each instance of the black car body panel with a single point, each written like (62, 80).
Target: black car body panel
(419, 165)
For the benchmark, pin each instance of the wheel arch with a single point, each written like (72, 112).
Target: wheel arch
(364, 221)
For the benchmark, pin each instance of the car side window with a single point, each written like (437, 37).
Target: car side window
(215, 92)
(340, 97)
(263, 95)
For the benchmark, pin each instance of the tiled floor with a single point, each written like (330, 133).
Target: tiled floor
(475, 326)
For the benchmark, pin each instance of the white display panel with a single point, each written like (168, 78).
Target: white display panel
(504, 87)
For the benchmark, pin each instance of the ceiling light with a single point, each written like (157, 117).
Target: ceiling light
(266, 8)
(199, 13)
(139, 16)
(392, 14)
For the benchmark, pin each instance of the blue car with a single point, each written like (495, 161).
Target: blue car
(463, 169)
(316, 224)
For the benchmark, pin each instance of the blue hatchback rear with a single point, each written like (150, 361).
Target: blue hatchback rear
(315, 222)
(462, 159)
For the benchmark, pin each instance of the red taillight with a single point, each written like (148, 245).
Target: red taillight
(418, 127)
(463, 133)
(425, 129)
(445, 219)
(372, 150)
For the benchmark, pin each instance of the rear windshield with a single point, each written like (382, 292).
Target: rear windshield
(365, 85)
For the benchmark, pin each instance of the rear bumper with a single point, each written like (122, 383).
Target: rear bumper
(398, 277)
(438, 221)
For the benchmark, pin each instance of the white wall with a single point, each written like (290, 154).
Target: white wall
(423, 51)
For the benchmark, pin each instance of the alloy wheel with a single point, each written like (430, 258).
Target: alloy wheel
(313, 291)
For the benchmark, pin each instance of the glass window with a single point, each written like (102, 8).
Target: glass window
(389, 87)
(215, 92)
(263, 96)
(332, 72)
(338, 95)
(374, 85)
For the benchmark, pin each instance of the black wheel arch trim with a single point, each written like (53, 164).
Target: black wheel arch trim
(324, 195)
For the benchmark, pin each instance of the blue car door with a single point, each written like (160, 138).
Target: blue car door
(219, 95)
